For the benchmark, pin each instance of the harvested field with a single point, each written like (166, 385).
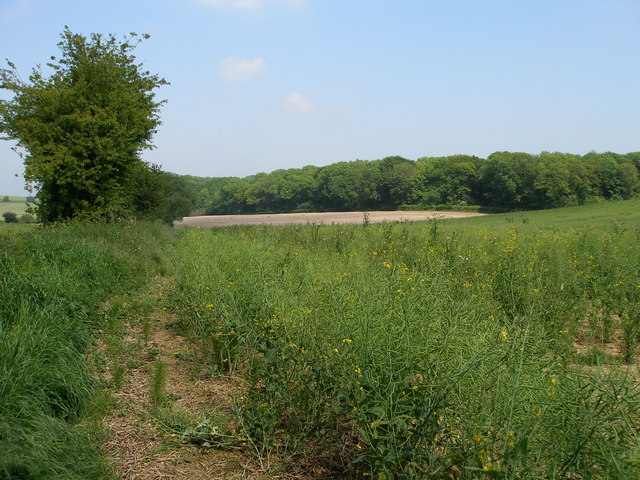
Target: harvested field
(325, 218)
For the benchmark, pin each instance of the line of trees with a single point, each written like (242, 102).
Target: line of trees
(81, 130)
(504, 180)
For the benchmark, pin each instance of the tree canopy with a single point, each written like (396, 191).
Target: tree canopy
(81, 128)
(502, 181)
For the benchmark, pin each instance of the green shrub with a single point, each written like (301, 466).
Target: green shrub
(10, 217)
(28, 218)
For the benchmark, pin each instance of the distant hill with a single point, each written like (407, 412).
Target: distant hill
(17, 205)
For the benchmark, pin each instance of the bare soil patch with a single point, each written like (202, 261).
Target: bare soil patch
(325, 218)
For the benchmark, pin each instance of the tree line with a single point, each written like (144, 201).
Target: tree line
(81, 130)
(504, 180)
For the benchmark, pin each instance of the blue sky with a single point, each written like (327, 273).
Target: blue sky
(259, 85)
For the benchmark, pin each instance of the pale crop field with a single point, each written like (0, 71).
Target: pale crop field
(17, 205)
(321, 218)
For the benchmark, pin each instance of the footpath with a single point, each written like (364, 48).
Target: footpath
(166, 416)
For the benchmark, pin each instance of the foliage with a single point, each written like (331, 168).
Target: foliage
(10, 217)
(505, 180)
(82, 128)
(28, 218)
(434, 350)
(447, 180)
(180, 198)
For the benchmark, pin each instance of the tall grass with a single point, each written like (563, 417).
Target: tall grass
(52, 282)
(426, 350)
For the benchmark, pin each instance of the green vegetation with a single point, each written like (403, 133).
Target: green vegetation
(599, 216)
(10, 217)
(17, 206)
(504, 346)
(498, 347)
(505, 181)
(52, 286)
(82, 130)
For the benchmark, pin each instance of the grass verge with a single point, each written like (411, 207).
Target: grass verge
(52, 283)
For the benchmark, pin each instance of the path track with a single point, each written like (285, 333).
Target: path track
(138, 445)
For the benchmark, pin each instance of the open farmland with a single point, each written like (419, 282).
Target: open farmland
(495, 347)
(503, 346)
(17, 205)
(324, 218)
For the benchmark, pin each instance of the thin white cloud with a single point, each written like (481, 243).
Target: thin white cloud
(251, 4)
(299, 102)
(20, 7)
(235, 69)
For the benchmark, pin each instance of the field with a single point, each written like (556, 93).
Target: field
(15, 205)
(324, 218)
(503, 346)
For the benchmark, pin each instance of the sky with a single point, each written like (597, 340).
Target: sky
(261, 85)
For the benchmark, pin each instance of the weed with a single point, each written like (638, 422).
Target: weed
(158, 385)
(432, 350)
(206, 431)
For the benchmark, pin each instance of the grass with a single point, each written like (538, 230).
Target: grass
(158, 389)
(52, 283)
(445, 349)
(14, 228)
(502, 347)
(604, 215)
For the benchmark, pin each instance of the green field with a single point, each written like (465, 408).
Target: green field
(498, 347)
(601, 216)
(503, 346)
(17, 205)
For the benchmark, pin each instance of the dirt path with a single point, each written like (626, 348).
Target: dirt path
(167, 413)
(326, 218)
(147, 441)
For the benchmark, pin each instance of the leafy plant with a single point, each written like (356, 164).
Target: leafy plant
(83, 127)
(10, 217)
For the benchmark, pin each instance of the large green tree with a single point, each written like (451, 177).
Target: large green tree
(81, 127)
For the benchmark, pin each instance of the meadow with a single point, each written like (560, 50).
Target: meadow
(503, 346)
(499, 347)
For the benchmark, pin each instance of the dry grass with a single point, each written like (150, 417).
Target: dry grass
(138, 447)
